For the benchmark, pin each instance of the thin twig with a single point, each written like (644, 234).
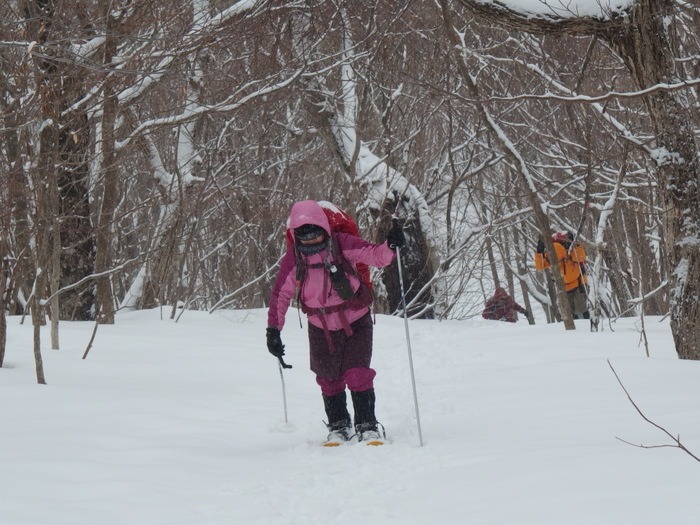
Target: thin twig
(676, 440)
(92, 338)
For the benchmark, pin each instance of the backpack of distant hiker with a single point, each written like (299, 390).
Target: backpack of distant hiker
(339, 221)
(566, 239)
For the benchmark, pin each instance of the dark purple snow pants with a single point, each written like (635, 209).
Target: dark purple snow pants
(347, 364)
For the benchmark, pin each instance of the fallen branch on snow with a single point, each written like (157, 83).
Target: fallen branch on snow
(676, 440)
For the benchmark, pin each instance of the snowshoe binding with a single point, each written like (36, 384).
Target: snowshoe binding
(371, 434)
(339, 433)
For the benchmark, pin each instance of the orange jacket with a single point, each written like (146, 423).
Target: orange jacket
(569, 264)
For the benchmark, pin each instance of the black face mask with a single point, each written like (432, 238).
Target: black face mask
(309, 232)
(311, 249)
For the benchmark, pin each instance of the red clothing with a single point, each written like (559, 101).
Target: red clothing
(502, 307)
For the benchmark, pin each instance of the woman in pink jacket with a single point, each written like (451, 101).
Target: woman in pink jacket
(316, 271)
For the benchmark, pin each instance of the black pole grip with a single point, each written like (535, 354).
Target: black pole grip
(284, 365)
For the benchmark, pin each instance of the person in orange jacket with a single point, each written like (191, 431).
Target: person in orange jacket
(572, 267)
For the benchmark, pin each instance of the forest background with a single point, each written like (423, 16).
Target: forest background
(151, 151)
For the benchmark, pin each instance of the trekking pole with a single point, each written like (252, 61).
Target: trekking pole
(281, 365)
(408, 344)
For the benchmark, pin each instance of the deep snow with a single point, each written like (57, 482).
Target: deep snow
(183, 424)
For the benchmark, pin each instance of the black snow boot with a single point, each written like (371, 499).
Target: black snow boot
(366, 425)
(338, 417)
(363, 403)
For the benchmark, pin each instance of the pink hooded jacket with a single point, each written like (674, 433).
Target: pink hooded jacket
(316, 290)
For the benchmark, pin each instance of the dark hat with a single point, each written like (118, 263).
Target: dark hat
(308, 232)
(563, 237)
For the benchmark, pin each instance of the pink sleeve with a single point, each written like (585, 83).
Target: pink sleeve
(282, 291)
(357, 250)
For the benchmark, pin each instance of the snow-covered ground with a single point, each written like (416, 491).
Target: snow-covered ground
(183, 424)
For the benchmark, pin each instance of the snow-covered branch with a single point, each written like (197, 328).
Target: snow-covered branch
(197, 111)
(574, 97)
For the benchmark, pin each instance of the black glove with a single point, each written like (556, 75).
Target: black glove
(274, 342)
(395, 238)
(540, 246)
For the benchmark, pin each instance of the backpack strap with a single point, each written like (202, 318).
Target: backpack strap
(363, 297)
(340, 310)
(365, 293)
(358, 300)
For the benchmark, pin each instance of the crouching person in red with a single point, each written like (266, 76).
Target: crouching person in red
(502, 307)
(319, 271)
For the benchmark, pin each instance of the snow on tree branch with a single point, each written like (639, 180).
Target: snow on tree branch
(552, 16)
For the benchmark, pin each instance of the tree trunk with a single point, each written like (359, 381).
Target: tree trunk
(55, 264)
(77, 234)
(8, 187)
(43, 222)
(492, 262)
(645, 46)
(417, 270)
(59, 87)
(38, 361)
(105, 216)
(4, 267)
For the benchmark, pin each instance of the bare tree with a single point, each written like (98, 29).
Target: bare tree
(173, 137)
(645, 45)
